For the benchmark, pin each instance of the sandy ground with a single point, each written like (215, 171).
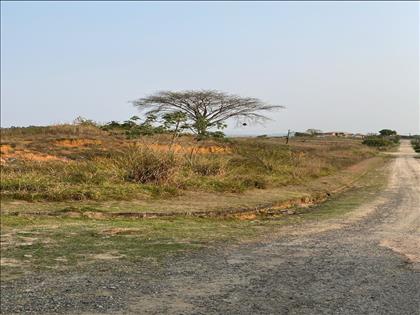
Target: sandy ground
(366, 262)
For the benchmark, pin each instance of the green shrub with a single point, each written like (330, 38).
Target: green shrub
(258, 182)
(162, 191)
(377, 141)
(416, 144)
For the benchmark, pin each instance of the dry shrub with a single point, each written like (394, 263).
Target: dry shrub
(263, 156)
(206, 165)
(143, 165)
(89, 172)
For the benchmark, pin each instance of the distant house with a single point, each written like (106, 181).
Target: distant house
(330, 134)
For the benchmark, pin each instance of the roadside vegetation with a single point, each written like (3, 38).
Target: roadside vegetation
(416, 144)
(84, 162)
(386, 139)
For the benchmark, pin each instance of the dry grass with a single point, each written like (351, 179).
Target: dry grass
(67, 162)
(75, 143)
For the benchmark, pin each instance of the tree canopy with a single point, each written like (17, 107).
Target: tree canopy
(205, 109)
(387, 132)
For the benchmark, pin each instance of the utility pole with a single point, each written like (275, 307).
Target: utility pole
(288, 136)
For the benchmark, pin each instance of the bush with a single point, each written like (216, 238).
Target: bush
(132, 128)
(217, 134)
(387, 132)
(416, 144)
(376, 141)
(205, 165)
(262, 156)
(258, 182)
(143, 165)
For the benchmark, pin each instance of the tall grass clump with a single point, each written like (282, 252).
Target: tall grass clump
(60, 181)
(205, 165)
(251, 164)
(261, 156)
(143, 165)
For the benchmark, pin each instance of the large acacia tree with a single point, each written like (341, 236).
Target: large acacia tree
(205, 109)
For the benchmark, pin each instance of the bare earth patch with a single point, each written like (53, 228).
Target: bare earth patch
(115, 231)
(407, 246)
(30, 156)
(108, 256)
(10, 262)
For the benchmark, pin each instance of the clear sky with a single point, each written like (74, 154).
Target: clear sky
(349, 66)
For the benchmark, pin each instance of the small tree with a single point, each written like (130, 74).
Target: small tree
(81, 121)
(387, 132)
(174, 122)
(134, 128)
(205, 109)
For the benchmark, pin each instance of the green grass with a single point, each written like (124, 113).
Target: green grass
(66, 243)
(343, 203)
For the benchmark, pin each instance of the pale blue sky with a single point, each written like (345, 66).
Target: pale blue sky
(336, 66)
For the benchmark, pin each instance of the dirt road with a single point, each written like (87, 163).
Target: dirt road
(367, 262)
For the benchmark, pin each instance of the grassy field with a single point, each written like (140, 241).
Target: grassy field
(75, 163)
(58, 182)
